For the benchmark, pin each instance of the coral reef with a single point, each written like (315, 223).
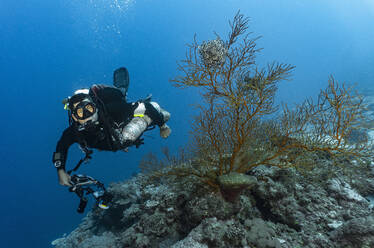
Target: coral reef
(284, 209)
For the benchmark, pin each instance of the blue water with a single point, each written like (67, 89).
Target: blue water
(50, 48)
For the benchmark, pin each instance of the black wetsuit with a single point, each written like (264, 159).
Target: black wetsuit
(114, 112)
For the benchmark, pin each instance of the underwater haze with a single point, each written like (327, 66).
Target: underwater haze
(48, 49)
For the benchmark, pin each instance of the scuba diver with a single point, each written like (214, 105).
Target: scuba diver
(101, 118)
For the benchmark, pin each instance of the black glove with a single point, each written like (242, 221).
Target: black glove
(138, 142)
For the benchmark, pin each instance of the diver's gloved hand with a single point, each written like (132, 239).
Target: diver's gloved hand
(138, 142)
(63, 178)
(165, 131)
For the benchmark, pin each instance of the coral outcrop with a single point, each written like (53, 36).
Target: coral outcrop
(283, 209)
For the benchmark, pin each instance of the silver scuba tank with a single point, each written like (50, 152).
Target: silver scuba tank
(134, 129)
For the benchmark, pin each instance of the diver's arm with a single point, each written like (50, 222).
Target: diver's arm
(60, 156)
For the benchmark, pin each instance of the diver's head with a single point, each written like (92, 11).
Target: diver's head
(83, 109)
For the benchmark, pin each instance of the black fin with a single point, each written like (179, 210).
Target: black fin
(121, 78)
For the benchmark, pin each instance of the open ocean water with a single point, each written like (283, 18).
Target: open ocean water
(48, 49)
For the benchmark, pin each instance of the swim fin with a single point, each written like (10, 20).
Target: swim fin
(121, 79)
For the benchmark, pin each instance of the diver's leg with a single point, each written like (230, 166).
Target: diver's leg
(160, 119)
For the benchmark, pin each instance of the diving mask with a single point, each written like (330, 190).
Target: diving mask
(84, 110)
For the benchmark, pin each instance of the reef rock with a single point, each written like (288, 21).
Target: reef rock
(285, 208)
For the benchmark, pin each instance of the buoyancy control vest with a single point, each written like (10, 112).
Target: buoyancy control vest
(114, 112)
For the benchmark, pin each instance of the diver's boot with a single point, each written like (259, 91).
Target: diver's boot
(165, 131)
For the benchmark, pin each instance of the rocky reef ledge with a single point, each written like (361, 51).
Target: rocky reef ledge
(323, 207)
